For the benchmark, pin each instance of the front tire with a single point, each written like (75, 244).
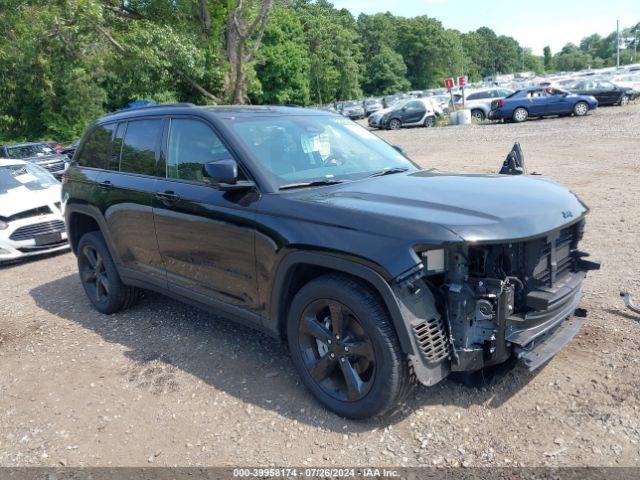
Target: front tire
(580, 109)
(430, 121)
(624, 100)
(520, 115)
(395, 124)
(100, 278)
(345, 348)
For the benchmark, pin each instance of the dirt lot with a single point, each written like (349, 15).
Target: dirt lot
(165, 384)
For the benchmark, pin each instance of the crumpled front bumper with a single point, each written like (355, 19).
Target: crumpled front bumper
(534, 333)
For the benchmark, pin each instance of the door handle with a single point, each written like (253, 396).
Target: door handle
(106, 185)
(168, 197)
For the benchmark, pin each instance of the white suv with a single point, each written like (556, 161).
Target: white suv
(479, 101)
(31, 220)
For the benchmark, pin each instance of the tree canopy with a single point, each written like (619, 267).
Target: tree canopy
(64, 63)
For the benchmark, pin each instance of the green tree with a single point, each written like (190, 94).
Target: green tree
(334, 51)
(385, 73)
(548, 58)
(571, 58)
(283, 66)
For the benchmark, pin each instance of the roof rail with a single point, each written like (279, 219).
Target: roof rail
(147, 107)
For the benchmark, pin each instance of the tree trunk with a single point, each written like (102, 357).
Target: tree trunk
(242, 42)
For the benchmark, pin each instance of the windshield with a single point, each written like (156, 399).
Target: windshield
(311, 148)
(351, 104)
(28, 151)
(30, 177)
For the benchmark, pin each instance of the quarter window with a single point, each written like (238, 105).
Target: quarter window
(95, 151)
(139, 147)
(191, 145)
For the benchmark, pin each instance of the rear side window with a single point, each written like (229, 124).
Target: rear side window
(477, 96)
(140, 145)
(95, 152)
(191, 145)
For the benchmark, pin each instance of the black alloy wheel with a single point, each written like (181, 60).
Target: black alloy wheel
(99, 276)
(94, 274)
(336, 350)
(345, 348)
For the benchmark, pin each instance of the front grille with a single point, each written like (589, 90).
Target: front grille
(556, 251)
(432, 339)
(31, 231)
(34, 212)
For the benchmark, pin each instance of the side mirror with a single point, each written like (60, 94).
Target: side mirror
(221, 171)
(223, 175)
(404, 109)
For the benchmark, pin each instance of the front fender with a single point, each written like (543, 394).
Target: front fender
(279, 306)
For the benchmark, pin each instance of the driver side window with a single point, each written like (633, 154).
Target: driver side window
(191, 145)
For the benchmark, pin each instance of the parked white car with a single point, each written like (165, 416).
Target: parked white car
(628, 80)
(31, 221)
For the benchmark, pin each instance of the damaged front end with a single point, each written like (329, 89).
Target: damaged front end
(471, 306)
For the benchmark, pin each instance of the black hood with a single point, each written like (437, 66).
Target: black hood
(477, 208)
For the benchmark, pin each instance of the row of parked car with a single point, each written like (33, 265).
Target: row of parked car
(31, 221)
(577, 97)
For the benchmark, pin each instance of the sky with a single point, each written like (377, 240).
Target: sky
(534, 23)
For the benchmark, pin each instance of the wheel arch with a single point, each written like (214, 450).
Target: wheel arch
(81, 219)
(298, 268)
(391, 120)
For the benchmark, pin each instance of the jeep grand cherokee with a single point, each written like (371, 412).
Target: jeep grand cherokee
(307, 226)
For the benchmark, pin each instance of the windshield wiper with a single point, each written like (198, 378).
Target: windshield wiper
(313, 183)
(389, 171)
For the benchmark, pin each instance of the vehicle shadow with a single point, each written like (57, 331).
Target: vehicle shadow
(250, 366)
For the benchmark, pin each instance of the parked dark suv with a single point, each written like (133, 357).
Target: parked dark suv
(307, 226)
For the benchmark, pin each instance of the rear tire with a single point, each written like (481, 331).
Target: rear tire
(477, 115)
(580, 109)
(430, 121)
(520, 115)
(395, 124)
(99, 276)
(345, 348)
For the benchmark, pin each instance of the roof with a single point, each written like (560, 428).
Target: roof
(7, 162)
(218, 110)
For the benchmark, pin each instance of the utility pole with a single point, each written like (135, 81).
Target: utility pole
(523, 58)
(617, 43)
(635, 47)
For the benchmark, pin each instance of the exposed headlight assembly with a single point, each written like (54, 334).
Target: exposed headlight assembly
(3, 225)
(433, 261)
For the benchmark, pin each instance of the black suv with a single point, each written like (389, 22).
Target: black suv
(307, 226)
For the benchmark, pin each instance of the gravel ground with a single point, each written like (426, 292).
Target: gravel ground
(165, 384)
